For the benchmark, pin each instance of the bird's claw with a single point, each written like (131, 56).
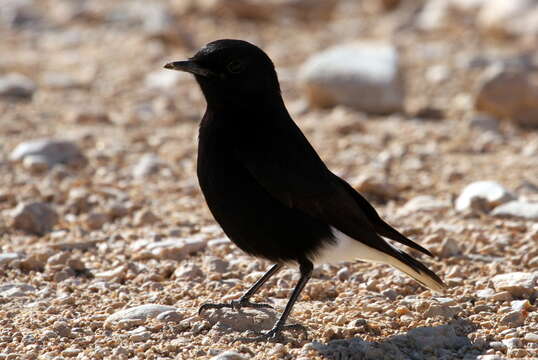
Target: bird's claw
(234, 305)
(275, 334)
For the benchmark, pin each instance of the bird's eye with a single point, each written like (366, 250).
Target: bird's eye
(235, 66)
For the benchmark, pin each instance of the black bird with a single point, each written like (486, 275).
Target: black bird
(267, 187)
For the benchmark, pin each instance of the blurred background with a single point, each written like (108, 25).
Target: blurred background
(429, 108)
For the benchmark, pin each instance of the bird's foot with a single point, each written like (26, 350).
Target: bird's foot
(275, 334)
(234, 305)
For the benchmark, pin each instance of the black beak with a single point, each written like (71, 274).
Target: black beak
(190, 67)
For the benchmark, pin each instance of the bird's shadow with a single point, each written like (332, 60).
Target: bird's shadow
(448, 341)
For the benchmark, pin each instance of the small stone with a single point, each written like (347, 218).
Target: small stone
(376, 186)
(6, 258)
(217, 265)
(52, 151)
(141, 312)
(509, 94)
(36, 164)
(517, 209)
(442, 310)
(484, 122)
(424, 203)
(36, 218)
(188, 272)
(170, 316)
(35, 261)
(62, 329)
(229, 355)
(16, 290)
(508, 18)
(16, 86)
(531, 337)
(145, 217)
(95, 221)
(250, 319)
(90, 117)
(449, 248)
(149, 164)
(520, 305)
(513, 319)
(71, 352)
(519, 284)
(118, 272)
(175, 249)
(493, 194)
(364, 76)
(390, 294)
(140, 334)
(343, 274)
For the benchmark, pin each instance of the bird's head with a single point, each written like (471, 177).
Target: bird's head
(231, 73)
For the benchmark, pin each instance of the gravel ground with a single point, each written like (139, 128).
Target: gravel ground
(105, 215)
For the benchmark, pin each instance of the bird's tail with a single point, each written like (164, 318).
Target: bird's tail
(416, 270)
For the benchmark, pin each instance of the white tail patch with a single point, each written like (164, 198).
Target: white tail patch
(346, 248)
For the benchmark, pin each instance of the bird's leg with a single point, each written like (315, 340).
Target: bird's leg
(244, 301)
(306, 268)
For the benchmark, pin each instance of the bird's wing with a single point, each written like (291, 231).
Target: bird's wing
(288, 168)
(284, 163)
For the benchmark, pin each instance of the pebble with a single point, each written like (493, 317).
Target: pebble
(484, 122)
(517, 209)
(188, 272)
(170, 316)
(513, 319)
(506, 94)
(247, 319)
(508, 18)
(343, 274)
(442, 310)
(149, 164)
(16, 290)
(363, 76)
(36, 164)
(116, 273)
(424, 203)
(95, 221)
(449, 248)
(493, 194)
(519, 284)
(16, 86)
(35, 261)
(215, 264)
(531, 337)
(36, 218)
(229, 355)
(50, 150)
(176, 248)
(141, 312)
(6, 258)
(145, 217)
(520, 305)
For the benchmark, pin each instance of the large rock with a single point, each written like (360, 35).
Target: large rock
(509, 94)
(490, 192)
(517, 209)
(50, 151)
(36, 218)
(364, 76)
(519, 284)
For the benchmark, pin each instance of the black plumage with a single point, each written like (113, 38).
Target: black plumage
(267, 187)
